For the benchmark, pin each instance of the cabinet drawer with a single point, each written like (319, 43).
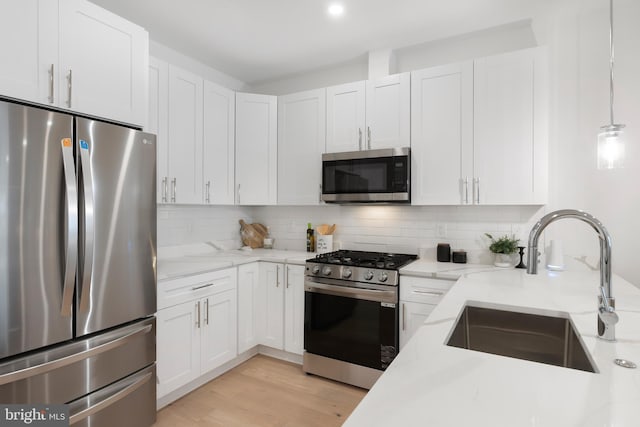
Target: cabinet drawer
(172, 292)
(423, 290)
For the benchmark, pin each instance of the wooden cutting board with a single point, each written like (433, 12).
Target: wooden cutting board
(252, 234)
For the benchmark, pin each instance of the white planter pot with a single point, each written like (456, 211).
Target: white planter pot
(503, 260)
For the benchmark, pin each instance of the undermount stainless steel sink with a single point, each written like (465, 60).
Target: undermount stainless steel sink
(550, 339)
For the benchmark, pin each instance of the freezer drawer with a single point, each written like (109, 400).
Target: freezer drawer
(131, 402)
(65, 373)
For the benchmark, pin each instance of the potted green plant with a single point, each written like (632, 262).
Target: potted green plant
(503, 247)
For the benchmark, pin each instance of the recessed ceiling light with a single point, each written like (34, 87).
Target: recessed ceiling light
(336, 9)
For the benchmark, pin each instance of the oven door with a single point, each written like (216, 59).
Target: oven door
(354, 325)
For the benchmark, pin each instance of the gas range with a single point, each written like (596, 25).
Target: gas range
(377, 268)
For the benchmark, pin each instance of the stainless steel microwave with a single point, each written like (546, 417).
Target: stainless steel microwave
(369, 176)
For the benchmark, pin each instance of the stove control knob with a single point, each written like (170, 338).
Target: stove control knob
(316, 269)
(346, 273)
(326, 271)
(368, 275)
(383, 277)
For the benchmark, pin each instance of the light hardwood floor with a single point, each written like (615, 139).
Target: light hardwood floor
(264, 392)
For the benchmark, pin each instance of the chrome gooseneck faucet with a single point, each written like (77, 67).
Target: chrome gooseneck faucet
(607, 317)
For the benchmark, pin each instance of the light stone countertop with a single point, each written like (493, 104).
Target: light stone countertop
(443, 270)
(431, 384)
(187, 260)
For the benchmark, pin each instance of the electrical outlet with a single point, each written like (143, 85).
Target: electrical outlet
(441, 230)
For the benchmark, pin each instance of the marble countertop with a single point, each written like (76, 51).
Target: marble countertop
(187, 260)
(430, 383)
(443, 270)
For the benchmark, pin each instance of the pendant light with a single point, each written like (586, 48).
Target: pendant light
(611, 136)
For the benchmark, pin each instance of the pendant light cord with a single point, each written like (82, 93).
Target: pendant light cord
(611, 53)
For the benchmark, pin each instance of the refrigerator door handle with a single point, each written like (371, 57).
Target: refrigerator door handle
(87, 178)
(71, 253)
(72, 358)
(110, 400)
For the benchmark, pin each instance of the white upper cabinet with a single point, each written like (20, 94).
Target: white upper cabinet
(218, 144)
(301, 142)
(29, 46)
(103, 63)
(256, 149)
(388, 112)
(369, 115)
(510, 128)
(75, 55)
(442, 134)
(185, 137)
(158, 121)
(346, 118)
(479, 131)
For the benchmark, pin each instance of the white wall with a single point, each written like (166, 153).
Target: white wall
(171, 56)
(579, 47)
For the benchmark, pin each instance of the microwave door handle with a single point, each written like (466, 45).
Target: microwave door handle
(71, 253)
(89, 227)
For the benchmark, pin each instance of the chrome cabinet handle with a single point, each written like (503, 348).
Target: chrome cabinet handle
(369, 137)
(288, 268)
(277, 275)
(359, 139)
(476, 190)
(206, 312)
(208, 196)
(238, 193)
(432, 293)
(71, 254)
(404, 317)
(195, 288)
(89, 228)
(63, 361)
(69, 86)
(164, 190)
(112, 399)
(466, 190)
(51, 99)
(198, 315)
(174, 186)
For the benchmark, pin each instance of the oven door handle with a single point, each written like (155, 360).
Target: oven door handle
(390, 296)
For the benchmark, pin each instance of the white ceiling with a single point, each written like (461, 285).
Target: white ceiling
(260, 40)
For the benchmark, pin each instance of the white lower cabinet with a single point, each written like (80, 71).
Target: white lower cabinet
(197, 327)
(271, 306)
(249, 305)
(294, 309)
(418, 297)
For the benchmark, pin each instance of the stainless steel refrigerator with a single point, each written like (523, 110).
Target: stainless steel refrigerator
(77, 266)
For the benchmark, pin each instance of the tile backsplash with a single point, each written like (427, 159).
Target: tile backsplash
(404, 229)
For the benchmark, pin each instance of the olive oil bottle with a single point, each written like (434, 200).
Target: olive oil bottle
(311, 239)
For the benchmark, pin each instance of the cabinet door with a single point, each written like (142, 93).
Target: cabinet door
(294, 309)
(218, 144)
(185, 137)
(178, 343)
(256, 149)
(412, 316)
(301, 142)
(505, 92)
(158, 121)
(103, 63)
(219, 329)
(388, 112)
(442, 135)
(346, 117)
(249, 306)
(29, 46)
(271, 276)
